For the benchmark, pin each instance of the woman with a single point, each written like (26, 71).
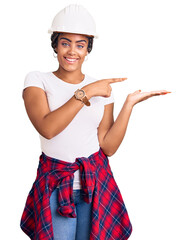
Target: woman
(75, 195)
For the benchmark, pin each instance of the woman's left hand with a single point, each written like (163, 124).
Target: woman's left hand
(138, 96)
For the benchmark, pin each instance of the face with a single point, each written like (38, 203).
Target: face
(71, 51)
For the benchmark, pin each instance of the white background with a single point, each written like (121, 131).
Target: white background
(148, 42)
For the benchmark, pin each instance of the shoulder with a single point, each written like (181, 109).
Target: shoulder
(35, 74)
(35, 79)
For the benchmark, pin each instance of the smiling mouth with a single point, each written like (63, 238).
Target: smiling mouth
(71, 60)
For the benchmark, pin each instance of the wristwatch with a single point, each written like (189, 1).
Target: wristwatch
(81, 95)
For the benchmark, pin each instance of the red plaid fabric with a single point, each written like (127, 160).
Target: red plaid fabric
(110, 219)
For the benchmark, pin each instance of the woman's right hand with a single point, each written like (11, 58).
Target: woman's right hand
(101, 87)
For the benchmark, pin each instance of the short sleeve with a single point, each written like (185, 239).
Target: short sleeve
(110, 99)
(33, 79)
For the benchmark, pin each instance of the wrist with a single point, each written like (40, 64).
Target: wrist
(87, 92)
(128, 104)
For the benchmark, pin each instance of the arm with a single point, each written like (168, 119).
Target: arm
(110, 133)
(48, 123)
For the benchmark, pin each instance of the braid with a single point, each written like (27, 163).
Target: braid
(54, 40)
(90, 44)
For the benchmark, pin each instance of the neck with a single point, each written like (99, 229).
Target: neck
(70, 77)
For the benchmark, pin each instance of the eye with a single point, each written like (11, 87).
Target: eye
(80, 46)
(65, 44)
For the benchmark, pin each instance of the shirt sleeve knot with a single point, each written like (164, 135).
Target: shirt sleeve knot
(67, 211)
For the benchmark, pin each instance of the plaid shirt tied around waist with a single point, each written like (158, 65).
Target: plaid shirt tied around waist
(110, 220)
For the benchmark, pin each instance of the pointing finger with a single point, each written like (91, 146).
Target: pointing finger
(114, 80)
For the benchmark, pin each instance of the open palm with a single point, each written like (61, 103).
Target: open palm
(138, 96)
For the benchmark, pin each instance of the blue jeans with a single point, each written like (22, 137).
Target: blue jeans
(65, 228)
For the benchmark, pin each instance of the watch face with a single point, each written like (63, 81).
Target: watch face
(80, 94)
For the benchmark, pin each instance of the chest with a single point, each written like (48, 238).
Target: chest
(58, 95)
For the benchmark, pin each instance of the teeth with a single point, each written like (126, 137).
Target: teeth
(71, 59)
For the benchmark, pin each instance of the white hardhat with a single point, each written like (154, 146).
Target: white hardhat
(74, 19)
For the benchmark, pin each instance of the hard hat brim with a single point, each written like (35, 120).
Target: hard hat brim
(50, 31)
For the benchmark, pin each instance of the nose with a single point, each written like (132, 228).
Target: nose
(71, 50)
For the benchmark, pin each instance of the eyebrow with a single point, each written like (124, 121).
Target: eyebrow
(71, 41)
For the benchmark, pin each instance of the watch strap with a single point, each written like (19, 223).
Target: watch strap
(86, 101)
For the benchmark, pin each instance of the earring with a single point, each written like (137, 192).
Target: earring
(86, 57)
(54, 55)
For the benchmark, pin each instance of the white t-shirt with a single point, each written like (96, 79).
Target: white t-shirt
(79, 138)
